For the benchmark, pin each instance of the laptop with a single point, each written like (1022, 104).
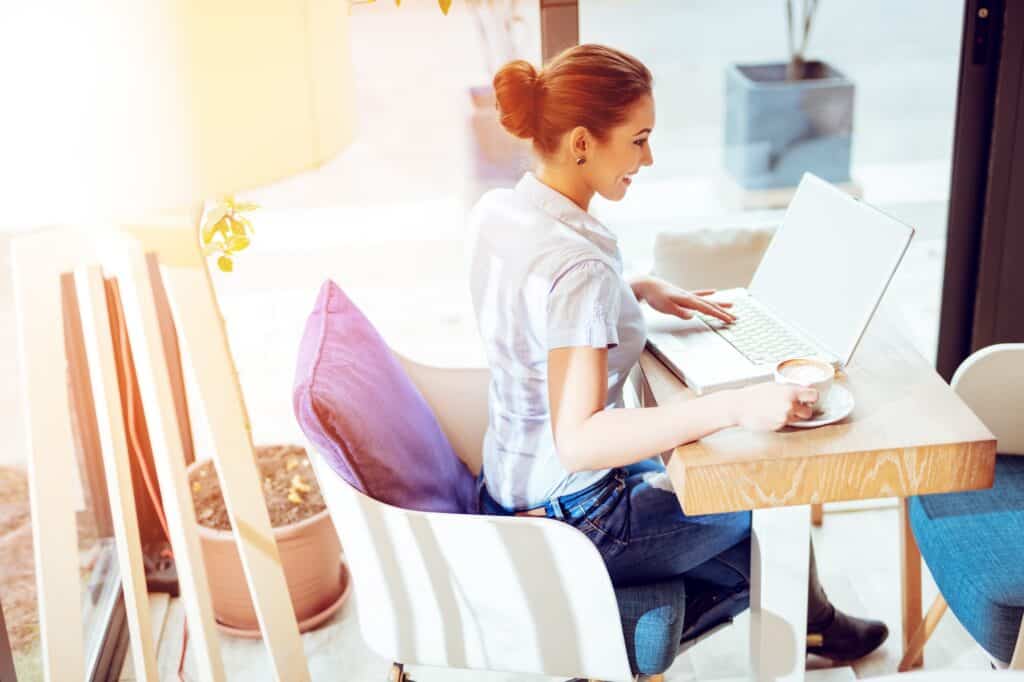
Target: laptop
(813, 294)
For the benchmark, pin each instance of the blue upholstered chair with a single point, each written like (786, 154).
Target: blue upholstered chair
(973, 542)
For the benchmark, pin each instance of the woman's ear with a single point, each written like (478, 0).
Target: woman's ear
(579, 141)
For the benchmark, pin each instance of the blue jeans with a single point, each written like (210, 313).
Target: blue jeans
(660, 560)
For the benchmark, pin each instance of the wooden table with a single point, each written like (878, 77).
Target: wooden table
(908, 434)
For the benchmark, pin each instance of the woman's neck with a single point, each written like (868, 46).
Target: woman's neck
(570, 184)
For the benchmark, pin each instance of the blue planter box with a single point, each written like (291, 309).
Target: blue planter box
(775, 129)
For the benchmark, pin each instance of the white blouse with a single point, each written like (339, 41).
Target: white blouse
(543, 274)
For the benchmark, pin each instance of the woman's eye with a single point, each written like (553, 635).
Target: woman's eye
(640, 143)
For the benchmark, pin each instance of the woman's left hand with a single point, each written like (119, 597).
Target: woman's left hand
(671, 300)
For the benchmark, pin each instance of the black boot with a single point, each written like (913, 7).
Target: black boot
(834, 634)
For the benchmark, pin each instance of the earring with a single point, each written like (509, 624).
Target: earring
(580, 161)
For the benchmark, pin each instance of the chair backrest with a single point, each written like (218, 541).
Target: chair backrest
(991, 382)
(711, 258)
(516, 594)
(458, 397)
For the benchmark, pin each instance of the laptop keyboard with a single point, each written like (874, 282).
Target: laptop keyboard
(758, 336)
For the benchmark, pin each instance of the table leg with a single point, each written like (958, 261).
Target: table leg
(910, 580)
(817, 514)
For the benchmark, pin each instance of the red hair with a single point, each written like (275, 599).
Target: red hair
(588, 85)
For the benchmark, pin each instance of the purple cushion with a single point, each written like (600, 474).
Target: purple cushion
(356, 405)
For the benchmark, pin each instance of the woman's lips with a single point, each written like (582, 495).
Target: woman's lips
(627, 180)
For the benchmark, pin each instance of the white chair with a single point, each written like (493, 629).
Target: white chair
(518, 594)
(710, 258)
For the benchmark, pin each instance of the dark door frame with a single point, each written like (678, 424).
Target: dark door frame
(983, 283)
(559, 26)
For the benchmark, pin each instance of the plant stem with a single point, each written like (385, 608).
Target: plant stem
(810, 7)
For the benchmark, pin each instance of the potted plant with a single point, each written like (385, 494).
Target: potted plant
(306, 541)
(782, 119)
(226, 231)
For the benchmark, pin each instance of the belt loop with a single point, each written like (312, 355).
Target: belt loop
(555, 509)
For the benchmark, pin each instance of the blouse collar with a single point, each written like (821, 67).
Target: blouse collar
(564, 209)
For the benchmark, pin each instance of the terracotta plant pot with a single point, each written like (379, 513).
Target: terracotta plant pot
(311, 557)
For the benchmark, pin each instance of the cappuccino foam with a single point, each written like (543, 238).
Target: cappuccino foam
(803, 374)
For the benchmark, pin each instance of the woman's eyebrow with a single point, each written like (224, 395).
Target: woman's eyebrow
(645, 130)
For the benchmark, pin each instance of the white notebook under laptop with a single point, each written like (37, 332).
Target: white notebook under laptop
(814, 292)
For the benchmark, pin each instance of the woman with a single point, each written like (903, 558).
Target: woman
(562, 329)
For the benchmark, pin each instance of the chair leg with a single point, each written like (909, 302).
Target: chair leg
(817, 514)
(1017, 662)
(923, 633)
(398, 674)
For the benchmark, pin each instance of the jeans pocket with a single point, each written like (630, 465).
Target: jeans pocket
(605, 520)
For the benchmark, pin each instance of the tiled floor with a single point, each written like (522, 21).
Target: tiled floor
(857, 553)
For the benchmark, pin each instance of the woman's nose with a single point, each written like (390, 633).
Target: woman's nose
(648, 156)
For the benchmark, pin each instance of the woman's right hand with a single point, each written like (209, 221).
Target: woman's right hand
(770, 406)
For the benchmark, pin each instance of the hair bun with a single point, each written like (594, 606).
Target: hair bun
(515, 87)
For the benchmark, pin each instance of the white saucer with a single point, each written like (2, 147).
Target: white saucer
(838, 405)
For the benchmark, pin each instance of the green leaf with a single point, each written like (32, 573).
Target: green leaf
(225, 264)
(236, 226)
(211, 231)
(237, 243)
(244, 222)
(213, 219)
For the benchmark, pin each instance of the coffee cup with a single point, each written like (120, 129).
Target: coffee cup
(809, 372)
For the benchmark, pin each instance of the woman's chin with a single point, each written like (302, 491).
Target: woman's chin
(617, 193)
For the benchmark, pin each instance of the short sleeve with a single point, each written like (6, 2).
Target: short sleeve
(583, 306)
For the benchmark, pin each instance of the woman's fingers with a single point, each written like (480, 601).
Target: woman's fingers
(807, 395)
(711, 309)
(683, 312)
(709, 292)
(800, 413)
(804, 412)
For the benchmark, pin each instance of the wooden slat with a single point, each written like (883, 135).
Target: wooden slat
(36, 261)
(114, 448)
(83, 410)
(149, 355)
(205, 341)
(909, 434)
(7, 671)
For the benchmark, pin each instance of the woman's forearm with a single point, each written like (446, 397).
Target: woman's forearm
(623, 436)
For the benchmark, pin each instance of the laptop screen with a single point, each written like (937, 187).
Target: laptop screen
(829, 263)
